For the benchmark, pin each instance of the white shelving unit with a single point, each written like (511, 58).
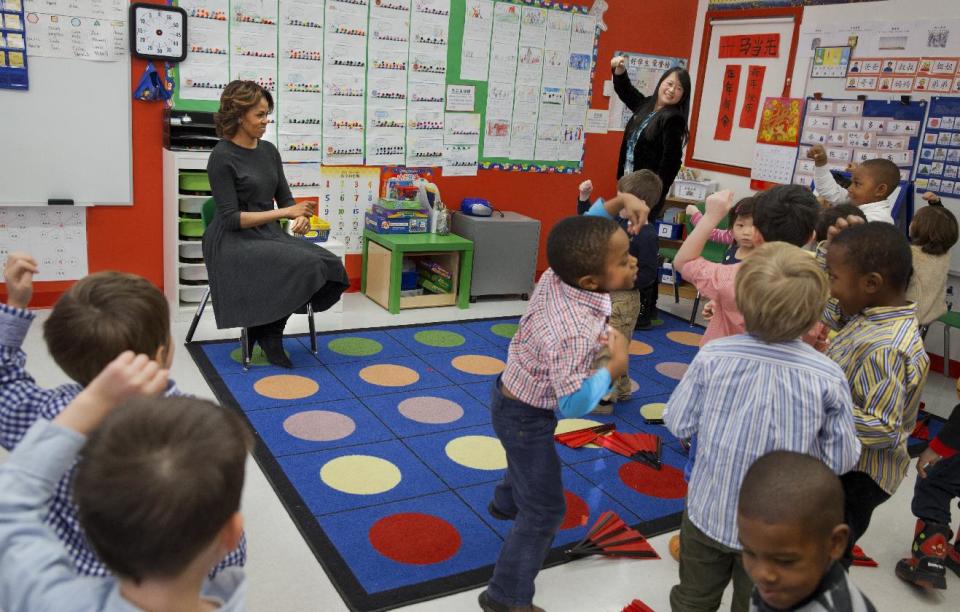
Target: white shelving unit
(183, 259)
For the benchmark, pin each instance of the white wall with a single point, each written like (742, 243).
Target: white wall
(888, 10)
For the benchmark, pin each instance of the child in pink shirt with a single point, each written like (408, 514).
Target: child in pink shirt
(787, 213)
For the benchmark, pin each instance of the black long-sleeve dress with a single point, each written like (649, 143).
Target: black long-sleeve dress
(260, 274)
(659, 147)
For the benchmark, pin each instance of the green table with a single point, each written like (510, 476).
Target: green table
(408, 244)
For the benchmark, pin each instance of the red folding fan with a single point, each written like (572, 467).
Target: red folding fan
(861, 559)
(611, 537)
(642, 447)
(637, 606)
(581, 437)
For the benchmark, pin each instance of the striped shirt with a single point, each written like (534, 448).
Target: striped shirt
(885, 363)
(744, 398)
(557, 342)
(22, 403)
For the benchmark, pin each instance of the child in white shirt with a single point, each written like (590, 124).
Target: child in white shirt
(874, 185)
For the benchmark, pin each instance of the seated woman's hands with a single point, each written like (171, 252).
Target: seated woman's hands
(300, 226)
(304, 208)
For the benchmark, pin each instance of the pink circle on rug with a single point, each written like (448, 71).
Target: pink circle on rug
(319, 425)
(430, 410)
(634, 386)
(672, 369)
(665, 483)
(414, 538)
(578, 513)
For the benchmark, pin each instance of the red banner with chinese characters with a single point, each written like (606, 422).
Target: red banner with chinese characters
(728, 102)
(750, 45)
(751, 99)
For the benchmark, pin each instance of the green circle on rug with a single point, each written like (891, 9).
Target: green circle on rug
(505, 330)
(259, 358)
(354, 346)
(440, 338)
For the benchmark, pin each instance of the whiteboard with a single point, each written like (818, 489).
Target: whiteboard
(738, 151)
(69, 135)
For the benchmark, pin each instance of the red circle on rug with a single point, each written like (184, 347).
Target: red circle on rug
(667, 483)
(577, 512)
(414, 538)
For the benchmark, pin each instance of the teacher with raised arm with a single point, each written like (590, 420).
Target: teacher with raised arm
(259, 275)
(655, 135)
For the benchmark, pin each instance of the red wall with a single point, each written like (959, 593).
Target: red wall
(130, 238)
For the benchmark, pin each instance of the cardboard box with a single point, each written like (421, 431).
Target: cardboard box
(670, 231)
(381, 224)
(693, 190)
(666, 274)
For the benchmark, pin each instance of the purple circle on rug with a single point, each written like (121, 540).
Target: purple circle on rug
(319, 425)
(672, 369)
(430, 410)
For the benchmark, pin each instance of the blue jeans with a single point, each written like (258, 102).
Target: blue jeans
(532, 488)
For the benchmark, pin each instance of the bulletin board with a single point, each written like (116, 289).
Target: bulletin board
(745, 58)
(939, 167)
(359, 82)
(508, 116)
(853, 131)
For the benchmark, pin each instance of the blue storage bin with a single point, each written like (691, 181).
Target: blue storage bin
(408, 279)
(670, 231)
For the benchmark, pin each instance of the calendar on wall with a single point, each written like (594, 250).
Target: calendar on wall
(347, 192)
(777, 140)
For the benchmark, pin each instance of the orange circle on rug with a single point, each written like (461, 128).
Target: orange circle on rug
(666, 483)
(286, 387)
(360, 474)
(481, 365)
(640, 348)
(578, 513)
(388, 375)
(414, 538)
(686, 338)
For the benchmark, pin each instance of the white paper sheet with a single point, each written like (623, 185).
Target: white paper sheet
(773, 163)
(461, 98)
(56, 236)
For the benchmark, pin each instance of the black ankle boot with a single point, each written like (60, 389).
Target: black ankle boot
(272, 346)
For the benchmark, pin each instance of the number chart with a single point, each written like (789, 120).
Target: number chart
(346, 192)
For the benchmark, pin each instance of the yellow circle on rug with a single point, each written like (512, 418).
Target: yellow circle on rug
(640, 348)
(477, 452)
(481, 365)
(653, 412)
(388, 375)
(360, 474)
(684, 337)
(565, 425)
(286, 387)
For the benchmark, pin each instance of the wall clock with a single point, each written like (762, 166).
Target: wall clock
(158, 32)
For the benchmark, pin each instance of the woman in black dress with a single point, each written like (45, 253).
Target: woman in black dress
(259, 275)
(653, 140)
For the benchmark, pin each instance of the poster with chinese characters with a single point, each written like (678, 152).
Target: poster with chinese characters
(644, 72)
(345, 194)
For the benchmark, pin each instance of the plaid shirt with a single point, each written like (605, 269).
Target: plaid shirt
(22, 402)
(559, 337)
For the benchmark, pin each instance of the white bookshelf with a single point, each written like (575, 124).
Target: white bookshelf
(183, 297)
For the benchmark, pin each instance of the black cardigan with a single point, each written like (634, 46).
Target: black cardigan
(660, 147)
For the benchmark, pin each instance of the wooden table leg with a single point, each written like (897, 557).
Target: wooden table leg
(396, 269)
(466, 275)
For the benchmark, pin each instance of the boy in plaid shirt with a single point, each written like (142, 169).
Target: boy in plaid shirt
(101, 316)
(550, 366)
